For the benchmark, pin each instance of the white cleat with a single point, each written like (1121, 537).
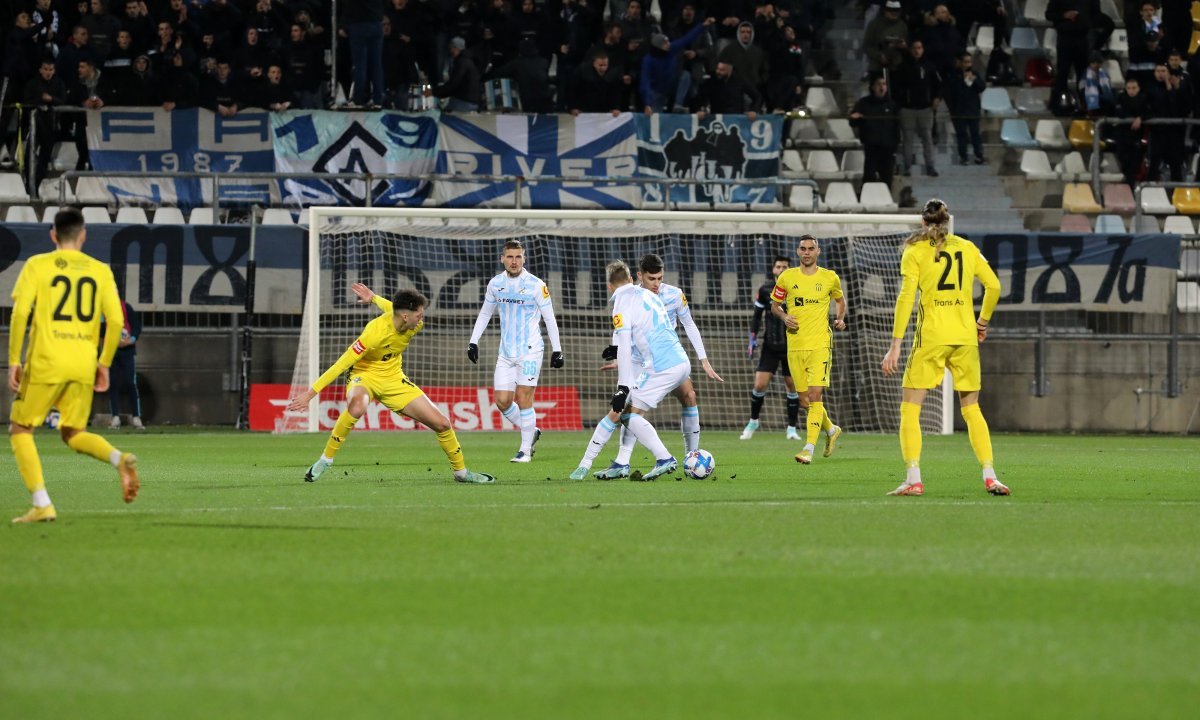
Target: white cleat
(748, 431)
(315, 471)
(522, 457)
(793, 434)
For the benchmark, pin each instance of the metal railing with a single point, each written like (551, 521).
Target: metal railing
(1098, 141)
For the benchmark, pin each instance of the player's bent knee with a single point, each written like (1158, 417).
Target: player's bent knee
(439, 425)
(66, 433)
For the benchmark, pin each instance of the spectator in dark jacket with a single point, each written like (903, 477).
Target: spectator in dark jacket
(72, 51)
(962, 90)
(748, 58)
(943, 41)
(785, 86)
(138, 86)
(43, 91)
(20, 49)
(220, 92)
(364, 29)
(915, 87)
(877, 119)
(1073, 20)
(177, 85)
(275, 95)
(579, 24)
(596, 88)
(102, 29)
(463, 90)
(1168, 99)
(726, 92)
(139, 24)
(302, 68)
(1131, 146)
(662, 86)
(699, 54)
(532, 73)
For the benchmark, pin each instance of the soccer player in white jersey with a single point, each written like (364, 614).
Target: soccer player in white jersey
(523, 302)
(639, 321)
(650, 277)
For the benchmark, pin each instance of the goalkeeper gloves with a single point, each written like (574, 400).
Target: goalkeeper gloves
(753, 344)
(609, 353)
(473, 353)
(619, 398)
(557, 360)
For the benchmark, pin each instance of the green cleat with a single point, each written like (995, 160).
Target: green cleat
(831, 440)
(580, 473)
(662, 467)
(476, 478)
(612, 472)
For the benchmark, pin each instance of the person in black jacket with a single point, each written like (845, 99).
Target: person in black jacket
(915, 87)
(1073, 20)
(42, 92)
(770, 333)
(177, 85)
(532, 73)
(726, 92)
(962, 91)
(595, 88)
(1167, 99)
(463, 90)
(123, 372)
(364, 27)
(878, 121)
(1130, 139)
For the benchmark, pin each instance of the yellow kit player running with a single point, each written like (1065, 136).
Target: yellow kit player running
(68, 294)
(801, 300)
(942, 266)
(376, 372)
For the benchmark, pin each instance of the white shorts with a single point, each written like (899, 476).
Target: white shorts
(650, 388)
(511, 372)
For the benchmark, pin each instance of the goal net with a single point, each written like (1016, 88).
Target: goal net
(718, 259)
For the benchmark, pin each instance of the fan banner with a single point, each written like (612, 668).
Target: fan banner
(468, 408)
(389, 143)
(1061, 271)
(532, 146)
(194, 268)
(196, 140)
(721, 147)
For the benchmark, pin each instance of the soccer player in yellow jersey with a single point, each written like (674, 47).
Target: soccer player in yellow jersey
(943, 267)
(67, 293)
(376, 372)
(801, 300)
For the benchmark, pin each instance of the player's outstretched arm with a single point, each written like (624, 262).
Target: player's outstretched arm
(362, 292)
(300, 402)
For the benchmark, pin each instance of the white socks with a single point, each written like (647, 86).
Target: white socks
(604, 430)
(914, 476)
(689, 425)
(41, 498)
(648, 436)
(114, 459)
(528, 425)
(628, 441)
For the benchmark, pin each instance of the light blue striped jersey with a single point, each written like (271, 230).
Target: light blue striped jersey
(519, 301)
(676, 305)
(642, 314)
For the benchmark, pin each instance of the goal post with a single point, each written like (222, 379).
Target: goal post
(719, 259)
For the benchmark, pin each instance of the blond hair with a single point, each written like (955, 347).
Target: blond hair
(618, 273)
(936, 217)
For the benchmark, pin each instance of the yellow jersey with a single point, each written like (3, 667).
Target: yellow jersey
(806, 298)
(69, 293)
(377, 350)
(945, 277)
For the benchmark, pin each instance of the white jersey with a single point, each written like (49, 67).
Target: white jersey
(522, 303)
(641, 315)
(678, 313)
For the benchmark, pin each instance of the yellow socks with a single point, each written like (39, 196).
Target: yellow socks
(826, 423)
(449, 442)
(345, 423)
(977, 431)
(816, 421)
(910, 433)
(86, 443)
(28, 462)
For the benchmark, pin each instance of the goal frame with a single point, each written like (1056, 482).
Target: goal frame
(312, 293)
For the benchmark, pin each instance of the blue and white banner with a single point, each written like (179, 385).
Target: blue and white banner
(191, 140)
(723, 147)
(334, 142)
(533, 146)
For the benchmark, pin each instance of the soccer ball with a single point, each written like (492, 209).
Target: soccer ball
(699, 464)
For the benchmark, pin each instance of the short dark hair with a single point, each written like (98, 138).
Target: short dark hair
(408, 300)
(651, 263)
(67, 223)
(781, 258)
(513, 245)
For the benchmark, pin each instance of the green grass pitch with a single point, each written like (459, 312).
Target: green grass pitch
(233, 589)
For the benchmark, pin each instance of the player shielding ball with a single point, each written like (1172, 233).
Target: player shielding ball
(943, 267)
(650, 277)
(769, 333)
(376, 369)
(639, 320)
(68, 294)
(523, 302)
(802, 295)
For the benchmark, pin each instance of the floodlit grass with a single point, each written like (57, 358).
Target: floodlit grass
(233, 589)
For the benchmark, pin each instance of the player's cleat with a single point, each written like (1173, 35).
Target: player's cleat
(662, 467)
(522, 457)
(831, 440)
(907, 489)
(804, 457)
(995, 487)
(612, 472)
(537, 435)
(37, 514)
(748, 431)
(793, 434)
(476, 478)
(317, 468)
(127, 471)
(579, 473)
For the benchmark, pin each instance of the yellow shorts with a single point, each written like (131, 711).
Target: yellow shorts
(810, 368)
(927, 366)
(395, 391)
(34, 400)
